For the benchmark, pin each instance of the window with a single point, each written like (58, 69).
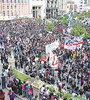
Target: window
(15, 6)
(47, 3)
(25, 1)
(2, 1)
(18, 1)
(8, 13)
(11, 13)
(51, 3)
(11, 1)
(71, 7)
(7, 1)
(3, 13)
(11, 7)
(55, 3)
(15, 1)
(3, 7)
(85, 1)
(7, 7)
(33, 7)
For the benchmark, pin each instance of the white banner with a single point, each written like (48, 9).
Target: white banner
(76, 43)
(53, 60)
(52, 46)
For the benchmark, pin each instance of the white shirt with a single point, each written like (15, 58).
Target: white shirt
(47, 92)
(42, 89)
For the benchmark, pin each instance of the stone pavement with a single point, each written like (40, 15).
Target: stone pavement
(7, 97)
(5, 90)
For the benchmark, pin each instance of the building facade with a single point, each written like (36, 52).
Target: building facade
(62, 7)
(71, 7)
(37, 8)
(81, 4)
(10, 9)
(51, 8)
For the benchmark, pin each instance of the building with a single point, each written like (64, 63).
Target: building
(51, 8)
(86, 6)
(37, 8)
(10, 9)
(81, 4)
(62, 7)
(71, 6)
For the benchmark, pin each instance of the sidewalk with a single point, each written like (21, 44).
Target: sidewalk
(7, 97)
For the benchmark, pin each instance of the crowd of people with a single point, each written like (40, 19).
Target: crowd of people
(27, 40)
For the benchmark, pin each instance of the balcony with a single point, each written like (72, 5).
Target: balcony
(52, 8)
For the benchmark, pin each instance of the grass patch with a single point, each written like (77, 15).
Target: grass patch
(22, 76)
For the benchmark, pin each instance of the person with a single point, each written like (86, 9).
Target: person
(3, 81)
(35, 98)
(23, 89)
(88, 95)
(42, 89)
(47, 91)
(9, 73)
(51, 96)
(2, 95)
(26, 89)
(11, 95)
(30, 92)
(4, 73)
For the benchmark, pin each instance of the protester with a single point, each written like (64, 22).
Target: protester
(11, 94)
(30, 92)
(23, 89)
(2, 95)
(26, 40)
(3, 81)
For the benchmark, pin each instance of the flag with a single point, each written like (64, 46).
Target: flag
(44, 58)
(53, 60)
(74, 43)
(39, 56)
(59, 30)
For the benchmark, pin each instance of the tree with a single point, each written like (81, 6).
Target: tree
(76, 23)
(51, 19)
(64, 21)
(88, 14)
(39, 21)
(59, 18)
(79, 30)
(49, 26)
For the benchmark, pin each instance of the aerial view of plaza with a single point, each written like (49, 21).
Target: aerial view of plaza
(44, 49)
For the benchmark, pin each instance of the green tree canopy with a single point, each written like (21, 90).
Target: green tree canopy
(79, 30)
(64, 21)
(88, 14)
(39, 21)
(49, 26)
(59, 18)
